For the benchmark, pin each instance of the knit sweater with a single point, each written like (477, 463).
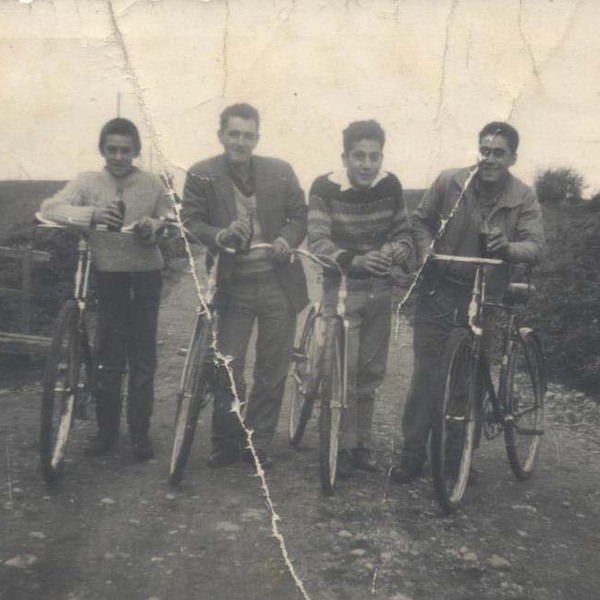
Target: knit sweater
(144, 195)
(344, 221)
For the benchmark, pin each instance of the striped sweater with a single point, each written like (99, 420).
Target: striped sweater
(144, 195)
(344, 222)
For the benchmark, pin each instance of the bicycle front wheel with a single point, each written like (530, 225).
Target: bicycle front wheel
(60, 386)
(525, 404)
(453, 428)
(331, 402)
(195, 392)
(304, 377)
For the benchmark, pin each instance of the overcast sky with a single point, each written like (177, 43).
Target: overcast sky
(431, 71)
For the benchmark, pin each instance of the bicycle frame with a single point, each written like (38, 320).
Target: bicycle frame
(340, 314)
(476, 305)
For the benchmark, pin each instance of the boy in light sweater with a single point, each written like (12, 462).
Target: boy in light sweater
(128, 278)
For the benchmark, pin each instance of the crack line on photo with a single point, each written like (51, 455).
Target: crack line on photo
(220, 359)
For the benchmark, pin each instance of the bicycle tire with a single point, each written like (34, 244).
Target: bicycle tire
(59, 393)
(331, 403)
(85, 400)
(524, 403)
(454, 421)
(193, 395)
(304, 376)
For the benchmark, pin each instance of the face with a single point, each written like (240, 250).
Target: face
(495, 160)
(118, 152)
(363, 162)
(239, 138)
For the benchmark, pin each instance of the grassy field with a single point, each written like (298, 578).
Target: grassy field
(19, 201)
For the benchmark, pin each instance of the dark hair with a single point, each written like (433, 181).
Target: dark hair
(362, 130)
(243, 111)
(121, 126)
(505, 130)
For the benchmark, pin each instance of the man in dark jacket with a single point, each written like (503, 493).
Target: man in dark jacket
(507, 211)
(231, 201)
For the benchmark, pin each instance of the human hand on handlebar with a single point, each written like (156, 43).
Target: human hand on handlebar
(374, 261)
(146, 230)
(237, 233)
(281, 251)
(110, 216)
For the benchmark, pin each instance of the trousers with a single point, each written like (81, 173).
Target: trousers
(243, 301)
(440, 307)
(368, 312)
(128, 305)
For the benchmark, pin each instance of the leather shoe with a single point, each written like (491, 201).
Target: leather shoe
(101, 444)
(345, 464)
(263, 458)
(223, 457)
(142, 448)
(409, 469)
(363, 459)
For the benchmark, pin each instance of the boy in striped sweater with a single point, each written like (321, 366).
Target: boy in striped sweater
(357, 216)
(127, 275)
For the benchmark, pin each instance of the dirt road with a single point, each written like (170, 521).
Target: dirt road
(115, 530)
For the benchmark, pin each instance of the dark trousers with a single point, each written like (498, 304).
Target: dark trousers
(259, 298)
(128, 306)
(440, 307)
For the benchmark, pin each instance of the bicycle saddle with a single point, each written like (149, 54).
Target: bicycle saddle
(518, 293)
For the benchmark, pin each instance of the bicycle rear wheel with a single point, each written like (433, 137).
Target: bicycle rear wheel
(453, 429)
(60, 387)
(195, 392)
(525, 404)
(331, 403)
(304, 379)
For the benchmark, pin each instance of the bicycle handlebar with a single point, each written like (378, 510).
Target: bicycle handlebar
(324, 261)
(48, 224)
(479, 260)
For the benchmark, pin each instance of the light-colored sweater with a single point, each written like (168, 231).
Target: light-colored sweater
(144, 195)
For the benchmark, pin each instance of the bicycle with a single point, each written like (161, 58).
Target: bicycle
(469, 402)
(67, 388)
(197, 381)
(68, 381)
(201, 373)
(319, 370)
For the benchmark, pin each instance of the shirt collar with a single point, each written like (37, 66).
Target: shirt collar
(341, 178)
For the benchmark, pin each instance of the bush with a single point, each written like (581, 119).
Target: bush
(556, 186)
(565, 310)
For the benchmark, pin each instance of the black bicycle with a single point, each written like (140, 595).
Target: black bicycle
(470, 402)
(67, 388)
(197, 382)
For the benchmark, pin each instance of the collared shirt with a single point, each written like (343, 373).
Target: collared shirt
(344, 221)
(341, 178)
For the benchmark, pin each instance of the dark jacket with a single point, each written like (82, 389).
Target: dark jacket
(517, 213)
(209, 206)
